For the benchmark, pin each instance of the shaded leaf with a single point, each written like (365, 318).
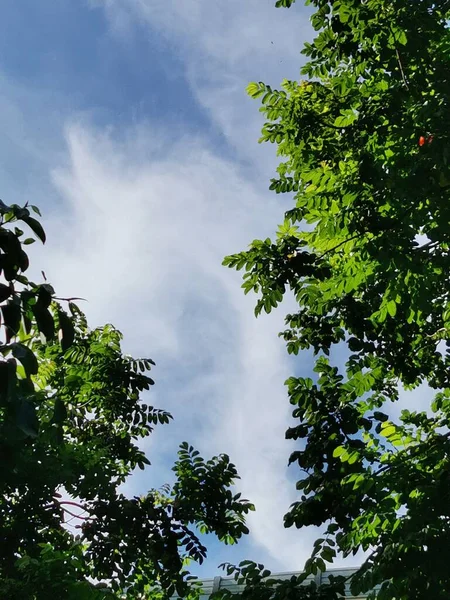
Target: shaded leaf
(26, 357)
(36, 227)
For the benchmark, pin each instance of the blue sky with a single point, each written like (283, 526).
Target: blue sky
(128, 123)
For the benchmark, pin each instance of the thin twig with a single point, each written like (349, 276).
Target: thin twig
(354, 237)
(81, 517)
(70, 299)
(72, 504)
(401, 68)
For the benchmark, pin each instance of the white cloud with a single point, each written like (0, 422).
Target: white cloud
(164, 223)
(224, 45)
(146, 218)
(141, 233)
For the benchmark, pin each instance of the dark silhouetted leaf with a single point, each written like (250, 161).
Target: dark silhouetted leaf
(60, 412)
(67, 330)
(11, 319)
(26, 357)
(26, 418)
(44, 321)
(36, 227)
(5, 292)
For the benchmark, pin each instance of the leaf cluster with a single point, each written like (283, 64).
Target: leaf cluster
(74, 416)
(365, 251)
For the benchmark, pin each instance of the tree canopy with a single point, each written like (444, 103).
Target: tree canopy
(72, 416)
(364, 249)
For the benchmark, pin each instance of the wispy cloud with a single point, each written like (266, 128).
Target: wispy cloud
(223, 46)
(142, 234)
(149, 213)
(140, 220)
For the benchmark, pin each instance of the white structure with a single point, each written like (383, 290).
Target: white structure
(229, 583)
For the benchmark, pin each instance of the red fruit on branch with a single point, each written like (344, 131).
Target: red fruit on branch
(426, 140)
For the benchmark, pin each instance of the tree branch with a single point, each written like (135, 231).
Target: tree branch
(401, 69)
(353, 237)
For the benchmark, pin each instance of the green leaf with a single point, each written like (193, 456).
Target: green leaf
(339, 451)
(345, 13)
(354, 456)
(400, 37)
(255, 90)
(345, 119)
(388, 431)
(392, 308)
(328, 554)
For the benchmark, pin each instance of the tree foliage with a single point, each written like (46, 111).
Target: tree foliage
(72, 416)
(364, 143)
